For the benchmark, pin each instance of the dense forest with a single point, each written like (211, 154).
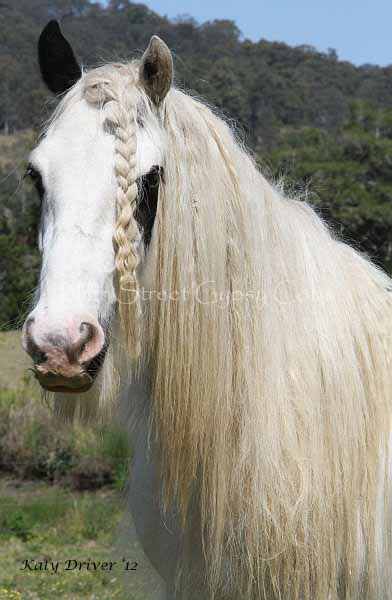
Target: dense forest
(325, 125)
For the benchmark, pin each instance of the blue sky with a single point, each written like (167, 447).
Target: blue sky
(360, 30)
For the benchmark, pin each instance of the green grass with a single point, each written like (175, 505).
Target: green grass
(14, 363)
(49, 522)
(54, 523)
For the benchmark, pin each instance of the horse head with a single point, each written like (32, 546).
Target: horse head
(96, 168)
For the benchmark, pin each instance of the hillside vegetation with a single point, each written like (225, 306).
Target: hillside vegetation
(263, 85)
(324, 124)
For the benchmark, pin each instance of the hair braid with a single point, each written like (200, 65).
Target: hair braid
(126, 236)
(121, 113)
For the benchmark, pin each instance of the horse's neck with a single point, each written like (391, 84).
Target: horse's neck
(158, 533)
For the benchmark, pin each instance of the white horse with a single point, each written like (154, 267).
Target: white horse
(253, 346)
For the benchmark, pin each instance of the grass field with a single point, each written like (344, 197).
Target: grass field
(44, 524)
(43, 516)
(14, 363)
(39, 522)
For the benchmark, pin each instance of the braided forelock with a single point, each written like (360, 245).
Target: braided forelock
(118, 96)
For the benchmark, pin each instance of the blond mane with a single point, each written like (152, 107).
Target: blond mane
(269, 349)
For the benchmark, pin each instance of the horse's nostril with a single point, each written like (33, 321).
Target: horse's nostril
(28, 325)
(87, 332)
(88, 344)
(30, 344)
(39, 357)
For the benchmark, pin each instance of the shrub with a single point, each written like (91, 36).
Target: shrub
(33, 444)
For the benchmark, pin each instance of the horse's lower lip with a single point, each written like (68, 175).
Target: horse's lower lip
(63, 389)
(56, 383)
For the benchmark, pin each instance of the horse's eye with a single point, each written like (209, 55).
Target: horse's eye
(32, 172)
(36, 178)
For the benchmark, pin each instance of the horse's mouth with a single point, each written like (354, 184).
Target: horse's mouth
(62, 385)
(78, 382)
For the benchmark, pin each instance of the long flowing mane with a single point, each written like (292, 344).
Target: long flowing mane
(272, 385)
(268, 348)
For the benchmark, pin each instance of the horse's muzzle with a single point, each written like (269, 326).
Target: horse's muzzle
(66, 362)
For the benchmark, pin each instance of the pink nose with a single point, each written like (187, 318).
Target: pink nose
(65, 361)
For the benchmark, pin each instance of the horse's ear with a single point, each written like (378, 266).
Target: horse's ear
(156, 70)
(57, 61)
